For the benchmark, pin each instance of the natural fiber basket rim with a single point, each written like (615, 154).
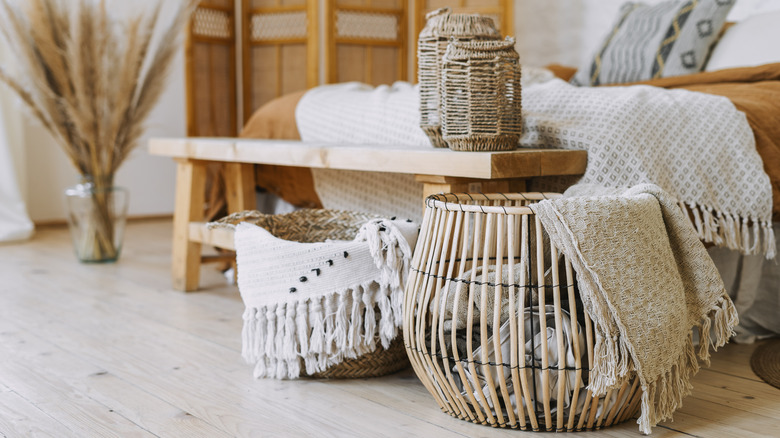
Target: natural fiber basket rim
(442, 24)
(484, 45)
(484, 50)
(455, 202)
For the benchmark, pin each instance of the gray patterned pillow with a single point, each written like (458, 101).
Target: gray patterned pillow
(667, 39)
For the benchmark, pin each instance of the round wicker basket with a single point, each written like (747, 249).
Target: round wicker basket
(431, 45)
(481, 108)
(318, 225)
(493, 322)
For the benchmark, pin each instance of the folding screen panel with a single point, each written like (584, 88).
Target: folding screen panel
(280, 50)
(211, 70)
(365, 40)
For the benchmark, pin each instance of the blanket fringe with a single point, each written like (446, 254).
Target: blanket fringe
(732, 231)
(311, 335)
(661, 398)
(286, 339)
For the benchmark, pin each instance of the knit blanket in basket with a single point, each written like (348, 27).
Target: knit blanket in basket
(697, 147)
(645, 280)
(309, 306)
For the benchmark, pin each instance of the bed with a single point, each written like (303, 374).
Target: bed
(749, 78)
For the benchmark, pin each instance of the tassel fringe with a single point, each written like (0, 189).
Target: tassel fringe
(283, 340)
(661, 398)
(733, 232)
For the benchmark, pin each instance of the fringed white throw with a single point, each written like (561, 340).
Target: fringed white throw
(646, 280)
(697, 147)
(309, 306)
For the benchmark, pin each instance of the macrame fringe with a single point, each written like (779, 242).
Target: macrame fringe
(661, 398)
(747, 235)
(283, 340)
(612, 364)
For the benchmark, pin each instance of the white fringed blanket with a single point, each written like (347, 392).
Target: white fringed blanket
(309, 306)
(695, 146)
(646, 281)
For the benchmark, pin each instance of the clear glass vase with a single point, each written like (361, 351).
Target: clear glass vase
(96, 218)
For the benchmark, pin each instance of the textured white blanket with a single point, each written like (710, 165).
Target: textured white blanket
(309, 306)
(695, 146)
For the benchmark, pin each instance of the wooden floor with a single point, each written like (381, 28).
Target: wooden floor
(112, 350)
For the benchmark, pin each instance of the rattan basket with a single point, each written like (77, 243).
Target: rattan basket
(481, 108)
(319, 225)
(431, 45)
(487, 347)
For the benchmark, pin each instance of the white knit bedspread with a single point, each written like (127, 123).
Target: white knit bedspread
(697, 147)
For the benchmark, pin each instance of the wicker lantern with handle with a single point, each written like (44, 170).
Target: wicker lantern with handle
(431, 45)
(481, 96)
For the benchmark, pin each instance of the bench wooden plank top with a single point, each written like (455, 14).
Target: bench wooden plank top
(419, 160)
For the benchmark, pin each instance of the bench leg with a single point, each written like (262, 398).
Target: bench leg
(240, 187)
(190, 188)
(239, 193)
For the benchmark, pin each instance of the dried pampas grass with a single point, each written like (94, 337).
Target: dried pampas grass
(89, 78)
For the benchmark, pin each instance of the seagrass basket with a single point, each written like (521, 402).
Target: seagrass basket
(493, 323)
(441, 27)
(481, 108)
(315, 226)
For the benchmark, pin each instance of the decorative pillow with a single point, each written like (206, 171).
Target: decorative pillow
(752, 41)
(667, 39)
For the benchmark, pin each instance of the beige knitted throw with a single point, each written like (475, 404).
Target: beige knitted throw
(646, 281)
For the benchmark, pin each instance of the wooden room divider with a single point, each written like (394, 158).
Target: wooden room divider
(291, 45)
(210, 68)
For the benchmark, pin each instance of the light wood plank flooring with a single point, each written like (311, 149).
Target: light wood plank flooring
(112, 351)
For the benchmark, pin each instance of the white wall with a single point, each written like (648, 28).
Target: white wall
(150, 179)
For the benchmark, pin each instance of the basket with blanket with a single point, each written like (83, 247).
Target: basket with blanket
(544, 312)
(323, 291)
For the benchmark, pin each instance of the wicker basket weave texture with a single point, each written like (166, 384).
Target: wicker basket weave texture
(511, 348)
(318, 225)
(481, 96)
(441, 27)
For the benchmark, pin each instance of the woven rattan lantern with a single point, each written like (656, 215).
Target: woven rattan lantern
(481, 96)
(493, 323)
(431, 45)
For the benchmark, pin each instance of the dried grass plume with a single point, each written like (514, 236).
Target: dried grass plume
(91, 79)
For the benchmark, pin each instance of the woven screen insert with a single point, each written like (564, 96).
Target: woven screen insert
(276, 26)
(367, 25)
(211, 23)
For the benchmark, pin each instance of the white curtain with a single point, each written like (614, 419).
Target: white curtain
(15, 224)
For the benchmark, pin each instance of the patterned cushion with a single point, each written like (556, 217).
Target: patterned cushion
(667, 39)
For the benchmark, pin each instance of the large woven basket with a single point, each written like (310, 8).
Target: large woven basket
(319, 225)
(441, 27)
(481, 96)
(487, 347)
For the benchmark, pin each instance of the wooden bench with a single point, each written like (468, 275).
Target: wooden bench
(439, 170)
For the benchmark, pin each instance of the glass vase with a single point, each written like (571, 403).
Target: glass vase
(96, 218)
